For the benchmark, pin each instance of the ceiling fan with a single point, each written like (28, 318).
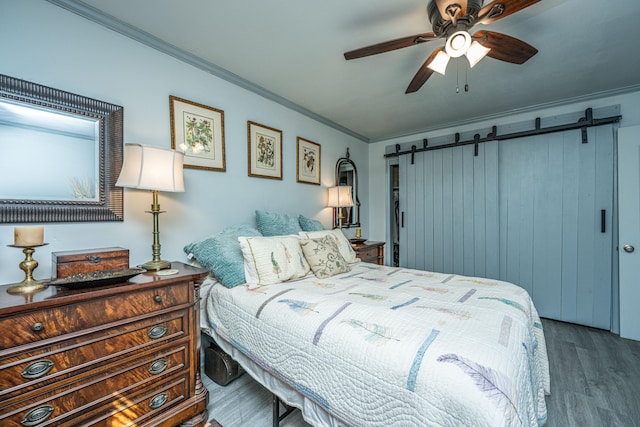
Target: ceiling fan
(452, 20)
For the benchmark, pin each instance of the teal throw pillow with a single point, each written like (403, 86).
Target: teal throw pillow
(308, 224)
(276, 224)
(220, 254)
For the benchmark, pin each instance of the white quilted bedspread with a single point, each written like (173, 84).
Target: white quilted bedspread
(383, 346)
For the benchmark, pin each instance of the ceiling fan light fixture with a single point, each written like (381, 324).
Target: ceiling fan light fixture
(475, 53)
(439, 63)
(458, 43)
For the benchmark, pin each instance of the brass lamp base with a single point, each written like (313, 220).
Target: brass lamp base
(156, 265)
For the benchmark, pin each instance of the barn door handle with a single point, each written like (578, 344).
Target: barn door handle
(402, 219)
(603, 221)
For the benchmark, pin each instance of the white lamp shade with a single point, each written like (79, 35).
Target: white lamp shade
(476, 52)
(151, 168)
(439, 63)
(340, 196)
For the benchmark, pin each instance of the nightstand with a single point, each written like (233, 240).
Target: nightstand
(121, 354)
(368, 251)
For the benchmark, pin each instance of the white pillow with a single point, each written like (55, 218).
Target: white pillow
(344, 245)
(324, 257)
(269, 260)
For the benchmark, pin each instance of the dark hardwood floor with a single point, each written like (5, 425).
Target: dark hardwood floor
(595, 382)
(595, 377)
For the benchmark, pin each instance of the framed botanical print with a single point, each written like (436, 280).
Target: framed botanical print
(308, 162)
(198, 131)
(265, 151)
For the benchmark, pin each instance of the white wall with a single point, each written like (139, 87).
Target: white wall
(48, 45)
(379, 200)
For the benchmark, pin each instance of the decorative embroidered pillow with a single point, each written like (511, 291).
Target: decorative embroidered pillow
(276, 224)
(220, 254)
(346, 250)
(308, 224)
(269, 260)
(324, 257)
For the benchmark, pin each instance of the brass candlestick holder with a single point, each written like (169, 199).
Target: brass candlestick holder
(29, 284)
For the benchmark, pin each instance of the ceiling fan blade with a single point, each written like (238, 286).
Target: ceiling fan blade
(499, 9)
(451, 9)
(504, 47)
(423, 73)
(390, 45)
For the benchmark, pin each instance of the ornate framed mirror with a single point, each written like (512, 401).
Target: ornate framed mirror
(61, 155)
(347, 174)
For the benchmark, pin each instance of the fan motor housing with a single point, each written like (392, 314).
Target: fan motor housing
(443, 26)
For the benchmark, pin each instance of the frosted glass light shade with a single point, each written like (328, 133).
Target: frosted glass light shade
(476, 52)
(340, 196)
(439, 63)
(151, 168)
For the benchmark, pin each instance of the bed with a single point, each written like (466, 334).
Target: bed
(383, 346)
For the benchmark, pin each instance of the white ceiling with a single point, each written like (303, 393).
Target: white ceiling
(292, 51)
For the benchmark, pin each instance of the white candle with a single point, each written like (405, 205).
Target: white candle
(28, 236)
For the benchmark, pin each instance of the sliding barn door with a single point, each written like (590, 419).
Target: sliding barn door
(556, 202)
(535, 211)
(449, 199)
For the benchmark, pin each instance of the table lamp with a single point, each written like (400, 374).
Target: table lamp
(156, 169)
(340, 197)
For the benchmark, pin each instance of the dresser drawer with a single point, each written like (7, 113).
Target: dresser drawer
(369, 254)
(123, 387)
(372, 252)
(49, 323)
(136, 410)
(23, 372)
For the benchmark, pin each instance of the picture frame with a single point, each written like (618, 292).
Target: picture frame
(307, 161)
(265, 151)
(198, 131)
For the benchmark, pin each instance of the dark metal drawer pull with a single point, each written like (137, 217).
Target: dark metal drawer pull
(37, 327)
(158, 400)
(158, 298)
(158, 366)
(37, 415)
(37, 369)
(157, 331)
(93, 259)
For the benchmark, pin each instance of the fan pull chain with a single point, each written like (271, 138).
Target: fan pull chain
(457, 76)
(466, 79)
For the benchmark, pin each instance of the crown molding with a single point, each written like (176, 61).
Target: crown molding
(113, 23)
(531, 108)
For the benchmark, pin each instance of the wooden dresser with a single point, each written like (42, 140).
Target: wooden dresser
(372, 252)
(117, 355)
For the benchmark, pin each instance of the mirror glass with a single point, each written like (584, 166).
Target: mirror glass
(347, 174)
(40, 135)
(61, 155)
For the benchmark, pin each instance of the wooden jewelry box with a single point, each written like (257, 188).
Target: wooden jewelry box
(68, 263)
